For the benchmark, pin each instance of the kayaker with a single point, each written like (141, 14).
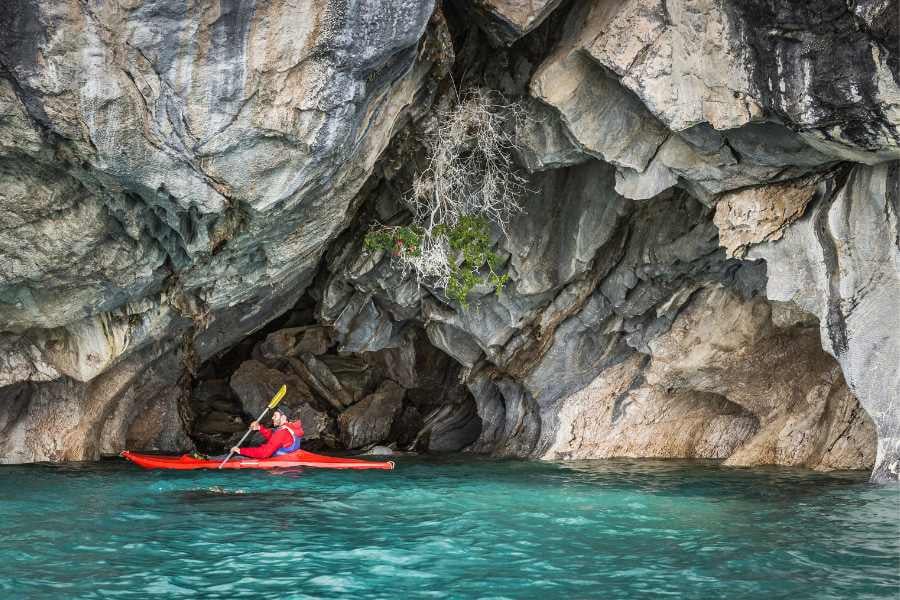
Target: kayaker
(285, 437)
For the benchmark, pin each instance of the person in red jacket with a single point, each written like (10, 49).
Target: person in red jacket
(283, 438)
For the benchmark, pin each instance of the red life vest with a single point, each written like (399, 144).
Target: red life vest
(296, 430)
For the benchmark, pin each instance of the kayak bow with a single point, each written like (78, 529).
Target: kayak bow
(300, 458)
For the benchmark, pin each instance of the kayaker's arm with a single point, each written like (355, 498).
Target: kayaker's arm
(265, 432)
(278, 439)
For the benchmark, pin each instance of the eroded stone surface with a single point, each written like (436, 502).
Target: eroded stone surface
(171, 169)
(759, 214)
(603, 118)
(135, 403)
(370, 420)
(508, 20)
(729, 63)
(699, 394)
(841, 262)
(543, 140)
(175, 177)
(619, 415)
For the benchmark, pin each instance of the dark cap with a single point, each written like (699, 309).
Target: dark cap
(285, 411)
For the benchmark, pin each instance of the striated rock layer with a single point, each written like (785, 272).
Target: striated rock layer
(707, 263)
(171, 175)
(700, 393)
(841, 262)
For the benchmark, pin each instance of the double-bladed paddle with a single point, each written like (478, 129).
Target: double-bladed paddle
(275, 400)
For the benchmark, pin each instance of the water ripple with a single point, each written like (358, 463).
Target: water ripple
(461, 528)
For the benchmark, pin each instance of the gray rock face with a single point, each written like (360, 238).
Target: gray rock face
(256, 385)
(841, 262)
(730, 63)
(175, 170)
(543, 142)
(508, 20)
(604, 119)
(165, 118)
(709, 182)
(710, 163)
(295, 341)
(571, 214)
(135, 405)
(370, 420)
(597, 292)
(450, 427)
(688, 67)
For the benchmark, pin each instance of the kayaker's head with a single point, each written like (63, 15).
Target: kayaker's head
(279, 418)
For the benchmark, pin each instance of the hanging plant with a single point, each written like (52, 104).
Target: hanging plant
(470, 181)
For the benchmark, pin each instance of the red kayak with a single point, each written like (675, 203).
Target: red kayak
(300, 458)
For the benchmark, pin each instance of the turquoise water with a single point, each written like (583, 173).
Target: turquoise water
(457, 528)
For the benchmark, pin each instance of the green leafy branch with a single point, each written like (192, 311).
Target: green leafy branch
(470, 240)
(399, 241)
(470, 252)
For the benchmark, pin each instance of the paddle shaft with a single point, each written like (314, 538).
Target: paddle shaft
(241, 441)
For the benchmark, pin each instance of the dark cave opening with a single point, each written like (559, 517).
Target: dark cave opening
(405, 398)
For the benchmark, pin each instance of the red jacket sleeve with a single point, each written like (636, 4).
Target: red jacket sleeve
(278, 439)
(265, 432)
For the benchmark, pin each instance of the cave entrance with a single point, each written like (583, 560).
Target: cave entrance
(407, 397)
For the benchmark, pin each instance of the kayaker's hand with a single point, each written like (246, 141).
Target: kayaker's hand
(254, 426)
(236, 450)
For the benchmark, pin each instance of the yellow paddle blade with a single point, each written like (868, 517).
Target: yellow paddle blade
(278, 397)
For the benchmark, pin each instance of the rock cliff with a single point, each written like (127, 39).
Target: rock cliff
(706, 264)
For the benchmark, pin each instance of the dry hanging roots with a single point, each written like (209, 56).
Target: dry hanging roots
(470, 177)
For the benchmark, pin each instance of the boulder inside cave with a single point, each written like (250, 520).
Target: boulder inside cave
(408, 397)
